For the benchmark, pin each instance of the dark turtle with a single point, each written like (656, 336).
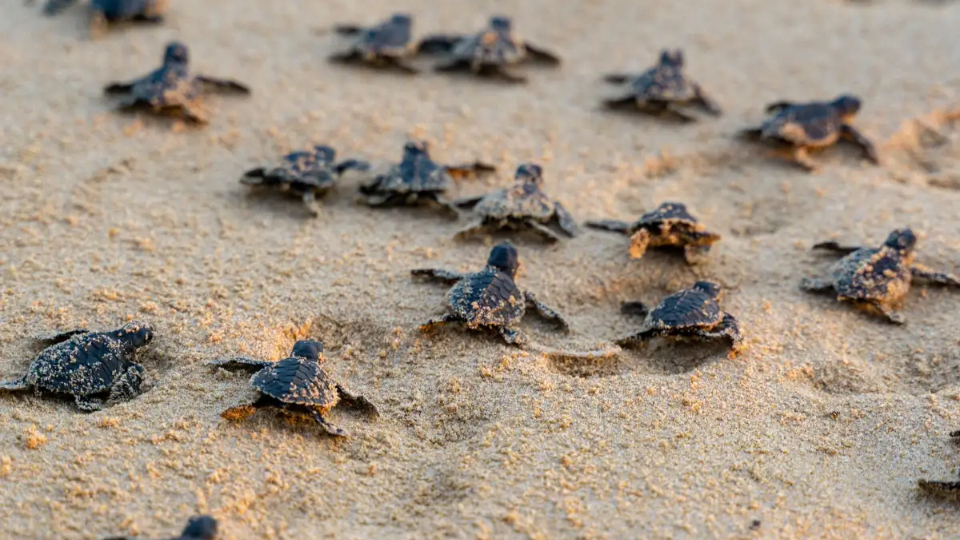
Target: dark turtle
(198, 528)
(662, 89)
(667, 226)
(308, 174)
(297, 385)
(417, 179)
(691, 313)
(103, 12)
(877, 280)
(88, 366)
(488, 52)
(523, 206)
(940, 488)
(171, 88)
(489, 298)
(818, 124)
(388, 44)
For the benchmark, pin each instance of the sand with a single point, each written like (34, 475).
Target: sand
(819, 430)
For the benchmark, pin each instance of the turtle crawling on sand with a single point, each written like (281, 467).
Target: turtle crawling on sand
(663, 89)
(487, 53)
(296, 385)
(386, 45)
(307, 174)
(88, 366)
(877, 280)
(103, 12)
(670, 225)
(171, 88)
(198, 528)
(418, 179)
(818, 124)
(691, 313)
(523, 206)
(489, 298)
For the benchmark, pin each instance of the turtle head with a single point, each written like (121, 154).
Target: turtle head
(309, 349)
(709, 288)
(501, 23)
(401, 19)
(135, 334)
(504, 257)
(847, 105)
(415, 149)
(325, 153)
(528, 173)
(672, 58)
(176, 54)
(902, 240)
(201, 528)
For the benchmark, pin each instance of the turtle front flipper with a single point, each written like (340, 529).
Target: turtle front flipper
(17, 385)
(241, 362)
(639, 243)
(887, 311)
(538, 54)
(675, 111)
(855, 136)
(330, 428)
(346, 57)
(402, 66)
(433, 324)
(634, 308)
(618, 78)
(451, 66)
(438, 44)
(348, 29)
(628, 101)
(473, 229)
(239, 412)
(466, 169)
(512, 335)
(357, 401)
(53, 339)
(193, 112)
(439, 274)
(706, 102)
(565, 220)
(610, 225)
(836, 247)
(728, 328)
(499, 73)
(127, 384)
(355, 164)
(119, 88)
(816, 285)
(222, 85)
(447, 205)
(310, 201)
(468, 202)
(545, 232)
(88, 403)
(940, 278)
(751, 134)
(544, 310)
(777, 106)
(640, 337)
(53, 7)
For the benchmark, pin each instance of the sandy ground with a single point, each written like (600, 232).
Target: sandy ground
(819, 430)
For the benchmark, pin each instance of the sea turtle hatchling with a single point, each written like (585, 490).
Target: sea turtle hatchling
(386, 45)
(487, 53)
(818, 124)
(669, 225)
(690, 313)
(306, 174)
(296, 385)
(88, 366)
(523, 206)
(663, 89)
(198, 528)
(171, 88)
(489, 298)
(877, 280)
(945, 489)
(103, 12)
(417, 179)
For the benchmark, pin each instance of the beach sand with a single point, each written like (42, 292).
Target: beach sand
(820, 429)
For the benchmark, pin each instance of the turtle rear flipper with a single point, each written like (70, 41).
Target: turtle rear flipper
(464, 169)
(751, 134)
(640, 337)
(354, 164)
(241, 362)
(88, 403)
(17, 385)
(610, 225)
(119, 88)
(836, 247)
(54, 7)
(439, 274)
(223, 85)
(816, 285)
(565, 220)
(777, 106)
(128, 384)
(330, 428)
(931, 275)
(348, 29)
(438, 44)
(545, 232)
(541, 55)
(634, 308)
(53, 339)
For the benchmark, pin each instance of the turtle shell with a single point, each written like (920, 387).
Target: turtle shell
(116, 10)
(418, 175)
(487, 298)
(666, 212)
(489, 48)
(297, 381)
(663, 82)
(389, 39)
(307, 169)
(872, 274)
(689, 308)
(522, 201)
(83, 365)
(168, 86)
(811, 124)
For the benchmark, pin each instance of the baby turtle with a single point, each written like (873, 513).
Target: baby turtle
(387, 45)
(487, 53)
(103, 12)
(297, 385)
(663, 89)
(198, 528)
(417, 179)
(489, 298)
(814, 125)
(670, 225)
(171, 88)
(523, 206)
(943, 489)
(877, 280)
(691, 313)
(308, 174)
(88, 366)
